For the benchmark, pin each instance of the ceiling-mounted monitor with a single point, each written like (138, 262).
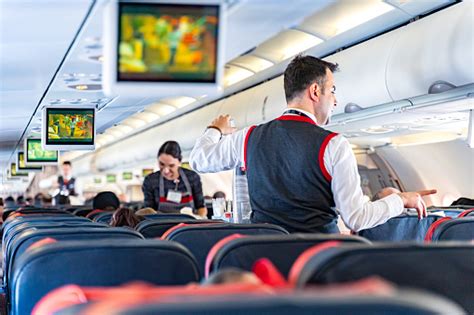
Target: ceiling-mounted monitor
(21, 166)
(68, 128)
(147, 171)
(163, 48)
(14, 173)
(111, 178)
(35, 155)
(127, 175)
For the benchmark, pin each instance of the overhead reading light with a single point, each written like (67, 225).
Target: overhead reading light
(440, 86)
(86, 87)
(352, 108)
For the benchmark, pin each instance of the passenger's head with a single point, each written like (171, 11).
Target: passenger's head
(124, 217)
(169, 159)
(38, 202)
(106, 200)
(146, 211)
(218, 194)
(66, 168)
(310, 80)
(387, 191)
(47, 200)
(9, 202)
(232, 275)
(20, 200)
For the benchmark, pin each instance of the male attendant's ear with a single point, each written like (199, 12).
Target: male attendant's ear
(314, 92)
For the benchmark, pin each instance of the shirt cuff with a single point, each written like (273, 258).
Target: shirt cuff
(213, 134)
(395, 204)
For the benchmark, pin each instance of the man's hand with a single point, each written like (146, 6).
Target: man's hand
(223, 124)
(414, 200)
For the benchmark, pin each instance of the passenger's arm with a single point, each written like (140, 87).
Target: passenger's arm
(213, 153)
(149, 193)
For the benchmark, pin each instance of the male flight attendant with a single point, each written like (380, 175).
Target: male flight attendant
(298, 172)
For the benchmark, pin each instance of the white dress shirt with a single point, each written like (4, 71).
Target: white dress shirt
(213, 154)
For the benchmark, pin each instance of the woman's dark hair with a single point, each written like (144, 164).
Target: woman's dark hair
(172, 148)
(125, 217)
(304, 71)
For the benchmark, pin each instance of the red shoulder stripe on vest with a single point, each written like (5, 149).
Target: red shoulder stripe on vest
(321, 156)
(296, 118)
(245, 145)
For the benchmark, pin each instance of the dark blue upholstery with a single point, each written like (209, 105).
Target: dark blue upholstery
(20, 220)
(199, 239)
(156, 228)
(82, 212)
(281, 250)
(461, 229)
(103, 217)
(92, 233)
(99, 263)
(405, 303)
(445, 269)
(169, 216)
(402, 228)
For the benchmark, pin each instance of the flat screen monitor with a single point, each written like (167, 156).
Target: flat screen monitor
(14, 173)
(147, 171)
(97, 180)
(127, 175)
(111, 178)
(68, 128)
(22, 167)
(35, 155)
(163, 47)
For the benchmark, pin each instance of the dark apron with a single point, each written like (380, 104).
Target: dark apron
(167, 206)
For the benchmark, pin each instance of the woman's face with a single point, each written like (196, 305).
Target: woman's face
(169, 166)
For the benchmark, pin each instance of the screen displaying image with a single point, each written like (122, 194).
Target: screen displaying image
(97, 180)
(127, 175)
(22, 165)
(13, 171)
(70, 126)
(111, 178)
(147, 171)
(167, 42)
(35, 153)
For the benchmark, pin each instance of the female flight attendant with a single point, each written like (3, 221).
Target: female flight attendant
(172, 187)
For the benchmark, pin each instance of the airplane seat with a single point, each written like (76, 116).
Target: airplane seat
(103, 217)
(199, 239)
(11, 225)
(281, 250)
(24, 240)
(466, 213)
(102, 263)
(409, 302)
(169, 216)
(406, 227)
(459, 229)
(82, 212)
(444, 269)
(156, 228)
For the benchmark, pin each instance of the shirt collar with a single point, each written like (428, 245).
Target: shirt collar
(309, 115)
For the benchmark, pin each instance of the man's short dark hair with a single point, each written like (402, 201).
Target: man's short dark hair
(302, 72)
(67, 163)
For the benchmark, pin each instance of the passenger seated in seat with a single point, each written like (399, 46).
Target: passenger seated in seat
(125, 217)
(231, 275)
(104, 201)
(146, 211)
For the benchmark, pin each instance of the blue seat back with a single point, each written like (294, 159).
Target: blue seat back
(169, 216)
(406, 303)
(104, 217)
(461, 229)
(199, 239)
(281, 250)
(445, 269)
(25, 239)
(402, 228)
(99, 263)
(156, 228)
